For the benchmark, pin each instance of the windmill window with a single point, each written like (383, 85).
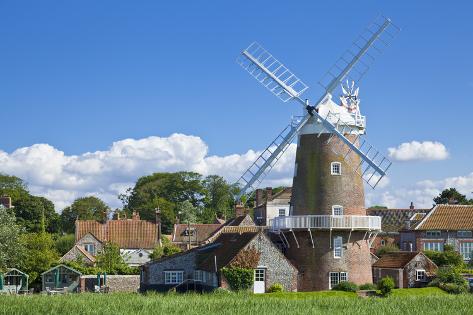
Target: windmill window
(336, 168)
(337, 277)
(337, 247)
(383, 242)
(337, 210)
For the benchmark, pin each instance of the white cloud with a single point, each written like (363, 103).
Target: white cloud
(415, 150)
(105, 174)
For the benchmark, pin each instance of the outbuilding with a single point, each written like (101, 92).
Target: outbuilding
(408, 269)
(13, 281)
(62, 278)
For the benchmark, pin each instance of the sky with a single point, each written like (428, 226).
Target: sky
(95, 94)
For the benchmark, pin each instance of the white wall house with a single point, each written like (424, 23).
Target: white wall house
(269, 206)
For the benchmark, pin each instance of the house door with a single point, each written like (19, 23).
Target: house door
(259, 285)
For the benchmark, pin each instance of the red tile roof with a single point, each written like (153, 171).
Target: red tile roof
(124, 233)
(395, 260)
(448, 217)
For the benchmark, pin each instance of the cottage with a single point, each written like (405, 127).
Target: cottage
(269, 206)
(444, 224)
(61, 277)
(408, 269)
(200, 268)
(13, 281)
(136, 239)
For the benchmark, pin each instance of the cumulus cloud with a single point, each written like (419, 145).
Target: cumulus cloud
(105, 174)
(414, 150)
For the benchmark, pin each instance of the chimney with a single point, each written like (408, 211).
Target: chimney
(411, 206)
(6, 202)
(135, 216)
(240, 210)
(158, 225)
(269, 193)
(258, 197)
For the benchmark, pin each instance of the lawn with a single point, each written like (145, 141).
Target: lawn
(413, 301)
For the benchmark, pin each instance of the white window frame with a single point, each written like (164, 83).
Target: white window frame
(382, 242)
(87, 246)
(173, 277)
(333, 170)
(420, 272)
(337, 277)
(260, 274)
(464, 234)
(466, 250)
(433, 234)
(435, 246)
(337, 247)
(284, 212)
(337, 210)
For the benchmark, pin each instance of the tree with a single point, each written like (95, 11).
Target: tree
(85, 208)
(187, 212)
(13, 187)
(386, 285)
(64, 243)
(37, 214)
(110, 261)
(40, 254)
(11, 248)
(219, 196)
(453, 197)
(449, 257)
(167, 249)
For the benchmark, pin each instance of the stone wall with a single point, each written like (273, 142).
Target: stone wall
(89, 239)
(419, 262)
(116, 283)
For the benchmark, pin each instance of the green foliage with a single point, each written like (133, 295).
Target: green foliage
(276, 287)
(386, 285)
(85, 208)
(452, 196)
(454, 288)
(11, 247)
(13, 187)
(377, 207)
(63, 243)
(167, 249)
(450, 280)
(238, 278)
(40, 254)
(345, 286)
(388, 248)
(368, 286)
(110, 261)
(219, 196)
(449, 257)
(187, 212)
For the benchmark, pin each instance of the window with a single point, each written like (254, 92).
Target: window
(337, 277)
(437, 246)
(464, 234)
(466, 250)
(282, 212)
(337, 210)
(188, 232)
(432, 234)
(420, 275)
(173, 277)
(90, 248)
(337, 247)
(199, 275)
(336, 168)
(259, 274)
(383, 242)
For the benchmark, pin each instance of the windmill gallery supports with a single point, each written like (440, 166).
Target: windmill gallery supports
(327, 233)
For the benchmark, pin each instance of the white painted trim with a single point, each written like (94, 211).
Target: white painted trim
(331, 168)
(426, 217)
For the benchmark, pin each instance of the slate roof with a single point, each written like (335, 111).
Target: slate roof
(125, 233)
(284, 194)
(225, 248)
(448, 217)
(395, 260)
(393, 220)
(201, 232)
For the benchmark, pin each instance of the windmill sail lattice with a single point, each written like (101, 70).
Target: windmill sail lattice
(285, 85)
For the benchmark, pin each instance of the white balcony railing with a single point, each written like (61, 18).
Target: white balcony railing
(326, 222)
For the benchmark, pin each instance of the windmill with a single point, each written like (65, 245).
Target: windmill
(332, 160)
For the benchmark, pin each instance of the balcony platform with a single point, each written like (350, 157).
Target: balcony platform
(326, 222)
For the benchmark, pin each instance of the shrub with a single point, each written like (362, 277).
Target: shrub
(238, 278)
(277, 287)
(454, 288)
(449, 257)
(450, 280)
(386, 285)
(386, 249)
(367, 286)
(345, 286)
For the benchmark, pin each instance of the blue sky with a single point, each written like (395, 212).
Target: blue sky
(80, 76)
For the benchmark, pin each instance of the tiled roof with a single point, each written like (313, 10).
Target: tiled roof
(448, 217)
(225, 248)
(284, 194)
(201, 232)
(395, 260)
(392, 220)
(124, 233)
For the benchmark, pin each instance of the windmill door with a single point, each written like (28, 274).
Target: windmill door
(260, 277)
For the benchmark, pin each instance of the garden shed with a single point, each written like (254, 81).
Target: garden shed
(62, 278)
(13, 281)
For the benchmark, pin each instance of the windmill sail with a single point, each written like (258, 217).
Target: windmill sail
(270, 72)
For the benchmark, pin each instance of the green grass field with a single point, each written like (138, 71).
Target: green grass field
(410, 301)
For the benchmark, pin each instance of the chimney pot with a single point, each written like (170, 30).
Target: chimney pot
(411, 206)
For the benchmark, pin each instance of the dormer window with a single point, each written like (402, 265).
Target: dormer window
(190, 231)
(336, 168)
